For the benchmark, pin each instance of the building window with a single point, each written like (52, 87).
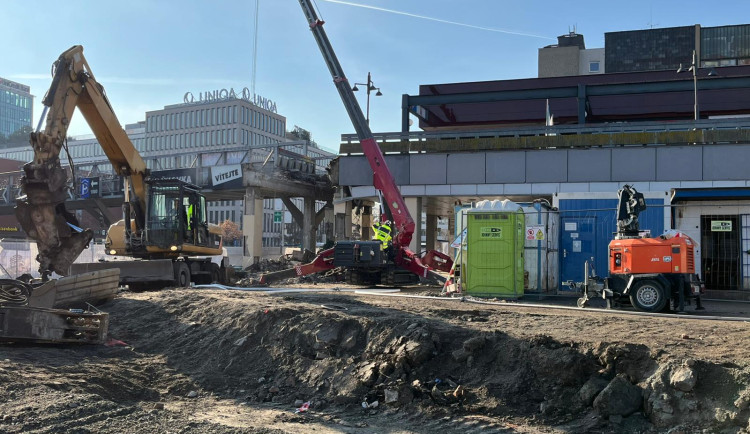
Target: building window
(594, 66)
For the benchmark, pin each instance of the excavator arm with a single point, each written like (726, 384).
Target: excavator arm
(45, 184)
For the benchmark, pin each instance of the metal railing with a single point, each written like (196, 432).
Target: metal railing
(544, 131)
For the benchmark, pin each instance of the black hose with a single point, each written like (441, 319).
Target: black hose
(14, 293)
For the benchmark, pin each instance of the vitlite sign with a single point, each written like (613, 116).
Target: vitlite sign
(224, 174)
(225, 94)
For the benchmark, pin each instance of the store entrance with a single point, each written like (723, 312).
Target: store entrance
(720, 246)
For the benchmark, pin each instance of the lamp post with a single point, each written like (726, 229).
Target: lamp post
(370, 87)
(694, 69)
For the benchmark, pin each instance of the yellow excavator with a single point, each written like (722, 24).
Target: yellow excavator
(164, 226)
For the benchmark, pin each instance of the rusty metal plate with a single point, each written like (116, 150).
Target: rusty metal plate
(30, 324)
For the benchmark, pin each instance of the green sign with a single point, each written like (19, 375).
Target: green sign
(277, 216)
(721, 226)
(491, 232)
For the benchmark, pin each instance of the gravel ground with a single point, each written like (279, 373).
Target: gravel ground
(209, 361)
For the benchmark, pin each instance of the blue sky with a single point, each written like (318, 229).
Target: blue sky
(147, 54)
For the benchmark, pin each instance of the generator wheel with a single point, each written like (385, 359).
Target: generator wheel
(648, 296)
(582, 302)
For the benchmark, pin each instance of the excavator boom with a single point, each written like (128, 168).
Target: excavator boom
(45, 184)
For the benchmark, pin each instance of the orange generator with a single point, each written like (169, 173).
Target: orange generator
(649, 272)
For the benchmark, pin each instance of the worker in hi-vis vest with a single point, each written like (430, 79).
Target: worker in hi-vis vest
(189, 225)
(382, 232)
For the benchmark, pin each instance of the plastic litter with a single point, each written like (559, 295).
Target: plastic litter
(304, 407)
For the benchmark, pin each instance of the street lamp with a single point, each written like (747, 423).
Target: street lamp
(370, 87)
(694, 69)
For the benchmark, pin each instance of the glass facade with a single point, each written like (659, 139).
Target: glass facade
(725, 46)
(203, 127)
(15, 106)
(667, 49)
(648, 50)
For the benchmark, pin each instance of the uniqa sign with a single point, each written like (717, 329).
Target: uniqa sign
(223, 94)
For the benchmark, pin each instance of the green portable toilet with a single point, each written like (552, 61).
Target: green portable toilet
(493, 250)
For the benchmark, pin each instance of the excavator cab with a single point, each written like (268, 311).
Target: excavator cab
(176, 215)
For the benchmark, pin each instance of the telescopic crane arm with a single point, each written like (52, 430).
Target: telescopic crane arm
(382, 178)
(41, 210)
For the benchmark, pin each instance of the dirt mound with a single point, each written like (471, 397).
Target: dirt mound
(322, 353)
(213, 361)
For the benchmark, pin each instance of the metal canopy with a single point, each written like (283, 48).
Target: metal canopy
(690, 194)
(449, 102)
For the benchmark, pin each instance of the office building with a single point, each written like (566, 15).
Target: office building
(570, 57)
(16, 104)
(663, 49)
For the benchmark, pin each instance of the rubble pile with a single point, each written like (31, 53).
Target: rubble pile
(349, 355)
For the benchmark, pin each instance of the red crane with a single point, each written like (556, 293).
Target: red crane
(383, 181)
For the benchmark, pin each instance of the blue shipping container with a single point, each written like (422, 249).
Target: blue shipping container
(586, 228)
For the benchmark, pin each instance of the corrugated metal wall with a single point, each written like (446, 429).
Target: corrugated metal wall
(601, 212)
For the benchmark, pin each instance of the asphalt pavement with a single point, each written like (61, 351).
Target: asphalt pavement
(713, 307)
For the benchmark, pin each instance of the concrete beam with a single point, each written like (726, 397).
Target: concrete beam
(281, 183)
(293, 210)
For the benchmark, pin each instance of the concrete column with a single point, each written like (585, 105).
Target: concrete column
(343, 220)
(414, 205)
(324, 222)
(252, 227)
(431, 232)
(308, 225)
(366, 222)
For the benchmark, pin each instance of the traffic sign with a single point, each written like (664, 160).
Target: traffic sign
(89, 187)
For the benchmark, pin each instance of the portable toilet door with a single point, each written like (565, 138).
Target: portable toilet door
(494, 250)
